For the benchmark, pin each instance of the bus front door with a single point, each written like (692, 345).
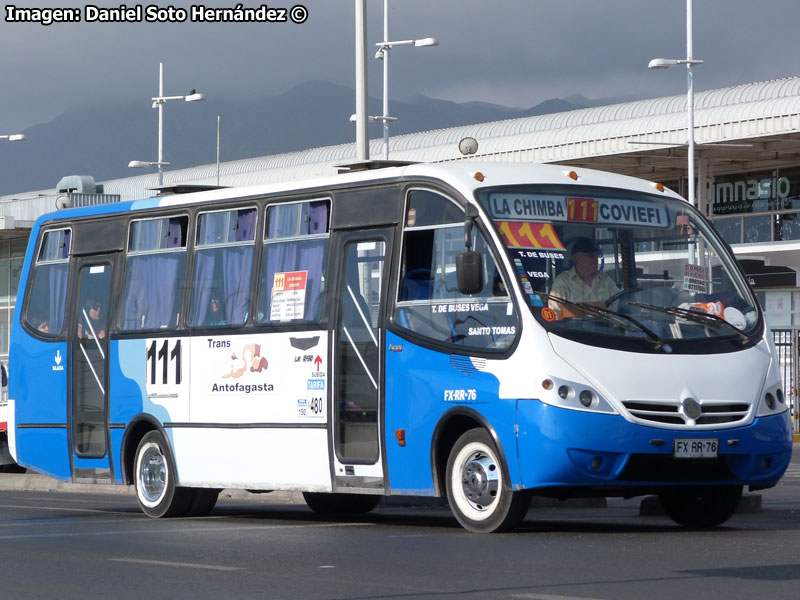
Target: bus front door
(358, 336)
(89, 362)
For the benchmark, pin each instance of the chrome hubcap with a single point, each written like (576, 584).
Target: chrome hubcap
(152, 474)
(480, 480)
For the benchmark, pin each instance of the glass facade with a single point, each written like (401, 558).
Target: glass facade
(752, 208)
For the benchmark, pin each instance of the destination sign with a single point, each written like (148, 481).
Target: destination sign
(504, 206)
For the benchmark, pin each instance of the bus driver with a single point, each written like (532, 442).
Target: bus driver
(583, 282)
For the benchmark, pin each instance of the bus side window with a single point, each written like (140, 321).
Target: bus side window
(428, 301)
(48, 296)
(295, 261)
(154, 274)
(223, 265)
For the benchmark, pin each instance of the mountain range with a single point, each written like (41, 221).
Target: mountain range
(101, 140)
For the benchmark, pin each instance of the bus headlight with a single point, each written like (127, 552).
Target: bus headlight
(772, 402)
(573, 395)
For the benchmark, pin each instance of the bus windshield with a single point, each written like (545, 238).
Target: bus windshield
(613, 263)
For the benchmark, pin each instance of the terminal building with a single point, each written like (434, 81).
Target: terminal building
(747, 177)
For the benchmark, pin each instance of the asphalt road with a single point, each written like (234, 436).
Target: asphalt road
(63, 544)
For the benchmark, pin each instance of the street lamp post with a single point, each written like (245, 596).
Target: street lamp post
(158, 102)
(666, 63)
(383, 54)
(14, 137)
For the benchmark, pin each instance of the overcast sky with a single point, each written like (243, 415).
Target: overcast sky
(511, 52)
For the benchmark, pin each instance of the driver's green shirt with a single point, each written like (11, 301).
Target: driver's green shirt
(569, 286)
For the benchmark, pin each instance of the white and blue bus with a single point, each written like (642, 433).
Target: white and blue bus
(398, 331)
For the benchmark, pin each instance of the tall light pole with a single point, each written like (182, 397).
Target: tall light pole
(383, 54)
(362, 142)
(159, 102)
(14, 137)
(666, 63)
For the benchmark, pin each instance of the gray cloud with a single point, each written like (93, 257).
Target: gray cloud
(513, 52)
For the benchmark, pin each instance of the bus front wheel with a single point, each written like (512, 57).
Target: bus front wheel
(154, 480)
(476, 488)
(702, 506)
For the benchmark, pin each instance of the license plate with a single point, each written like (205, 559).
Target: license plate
(695, 448)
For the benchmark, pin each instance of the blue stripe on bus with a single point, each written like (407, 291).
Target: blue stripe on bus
(46, 449)
(421, 386)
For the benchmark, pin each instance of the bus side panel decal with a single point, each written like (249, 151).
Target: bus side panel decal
(258, 412)
(421, 386)
(253, 458)
(260, 378)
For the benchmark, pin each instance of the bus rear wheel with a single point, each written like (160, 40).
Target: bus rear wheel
(340, 504)
(154, 480)
(476, 489)
(702, 506)
(203, 501)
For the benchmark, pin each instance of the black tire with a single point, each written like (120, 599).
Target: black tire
(476, 486)
(203, 501)
(701, 507)
(12, 468)
(155, 481)
(342, 505)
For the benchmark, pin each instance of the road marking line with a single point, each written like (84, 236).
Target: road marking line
(166, 563)
(157, 531)
(43, 521)
(80, 501)
(535, 596)
(65, 509)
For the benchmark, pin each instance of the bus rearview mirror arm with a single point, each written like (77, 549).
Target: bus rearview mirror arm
(469, 266)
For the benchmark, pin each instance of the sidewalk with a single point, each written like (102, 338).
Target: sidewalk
(34, 482)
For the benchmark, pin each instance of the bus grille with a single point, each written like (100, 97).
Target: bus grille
(668, 412)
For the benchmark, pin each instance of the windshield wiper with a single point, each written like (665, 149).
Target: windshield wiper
(625, 322)
(696, 316)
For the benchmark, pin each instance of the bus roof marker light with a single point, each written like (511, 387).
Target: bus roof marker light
(659, 186)
(573, 175)
(478, 176)
(547, 384)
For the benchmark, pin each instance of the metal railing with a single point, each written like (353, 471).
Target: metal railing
(786, 343)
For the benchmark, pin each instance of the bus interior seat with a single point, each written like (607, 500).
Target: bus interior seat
(417, 285)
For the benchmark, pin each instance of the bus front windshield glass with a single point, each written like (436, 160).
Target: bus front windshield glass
(641, 268)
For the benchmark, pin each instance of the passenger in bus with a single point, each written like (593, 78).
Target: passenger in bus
(92, 314)
(41, 325)
(584, 282)
(215, 315)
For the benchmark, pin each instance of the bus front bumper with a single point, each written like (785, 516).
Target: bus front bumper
(562, 448)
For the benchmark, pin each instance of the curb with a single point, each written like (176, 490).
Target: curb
(34, 482)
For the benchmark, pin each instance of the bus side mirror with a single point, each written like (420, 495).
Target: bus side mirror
(469, 267)
(5, 376)
(469, 272)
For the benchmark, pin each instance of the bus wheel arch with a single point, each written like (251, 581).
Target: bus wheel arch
(466, 455)
(478, 491)
(139, 426)
(452, 426)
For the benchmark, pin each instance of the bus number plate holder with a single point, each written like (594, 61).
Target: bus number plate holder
(694, 448)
